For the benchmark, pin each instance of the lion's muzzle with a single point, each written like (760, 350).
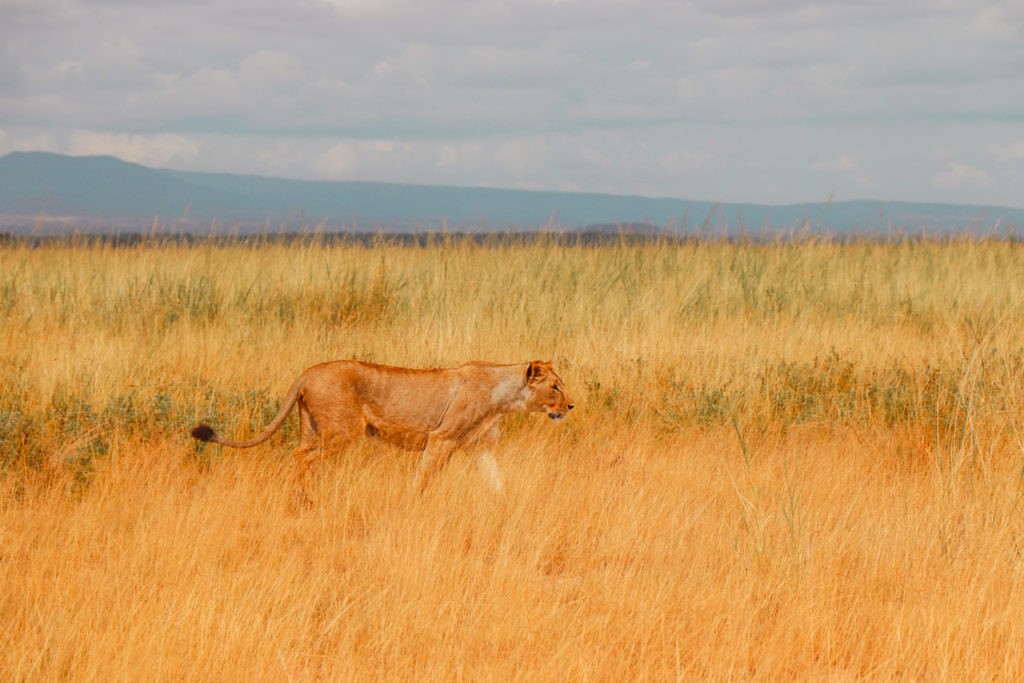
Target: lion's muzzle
(558, 414)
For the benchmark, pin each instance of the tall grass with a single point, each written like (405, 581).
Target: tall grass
(793, 460)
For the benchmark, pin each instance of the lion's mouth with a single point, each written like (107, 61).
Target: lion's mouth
(556, 416)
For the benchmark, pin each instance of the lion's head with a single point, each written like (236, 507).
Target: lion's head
(547, 393)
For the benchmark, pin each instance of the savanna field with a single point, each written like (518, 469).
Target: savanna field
(797, 460)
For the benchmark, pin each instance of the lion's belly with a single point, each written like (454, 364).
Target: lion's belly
(410, 439)
(398, 426)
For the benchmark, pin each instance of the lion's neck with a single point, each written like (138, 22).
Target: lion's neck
(509, 393)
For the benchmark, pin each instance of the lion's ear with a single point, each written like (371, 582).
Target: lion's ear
(536, 371)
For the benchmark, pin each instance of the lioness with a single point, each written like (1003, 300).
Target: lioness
(435, 410)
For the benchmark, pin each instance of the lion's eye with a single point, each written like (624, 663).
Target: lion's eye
(555, 387)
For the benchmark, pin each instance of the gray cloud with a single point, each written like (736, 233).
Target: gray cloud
(739, 100)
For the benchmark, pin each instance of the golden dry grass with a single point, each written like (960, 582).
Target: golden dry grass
(799, 460)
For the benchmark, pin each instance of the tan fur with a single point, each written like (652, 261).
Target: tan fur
(435, 411)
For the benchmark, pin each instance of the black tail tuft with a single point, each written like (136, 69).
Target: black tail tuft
(203, 433)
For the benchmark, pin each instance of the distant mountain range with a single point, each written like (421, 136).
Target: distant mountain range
(47, 193)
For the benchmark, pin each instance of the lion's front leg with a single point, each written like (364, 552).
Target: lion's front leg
(485, 462)
(488, 468)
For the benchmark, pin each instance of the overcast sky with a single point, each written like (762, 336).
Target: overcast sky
(773, 101)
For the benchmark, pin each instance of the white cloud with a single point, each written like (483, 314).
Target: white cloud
(839, 164)
(1013, 151)
(955, 174)
(369, 8)
(523, 158)
(338, 162)
(683, 160)
(356, 159)
(28, 141)
(151, 150)
(447, 156)
(998, 22)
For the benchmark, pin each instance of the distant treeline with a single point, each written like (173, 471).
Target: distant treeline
(581, 238)
(368, 239)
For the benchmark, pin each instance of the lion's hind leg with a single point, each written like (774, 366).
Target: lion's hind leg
(435, 456)
(328, 431)
(307, 453)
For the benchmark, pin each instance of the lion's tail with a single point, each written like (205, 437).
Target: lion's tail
(204, 432)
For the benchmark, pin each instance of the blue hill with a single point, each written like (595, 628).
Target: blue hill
(103, 193)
